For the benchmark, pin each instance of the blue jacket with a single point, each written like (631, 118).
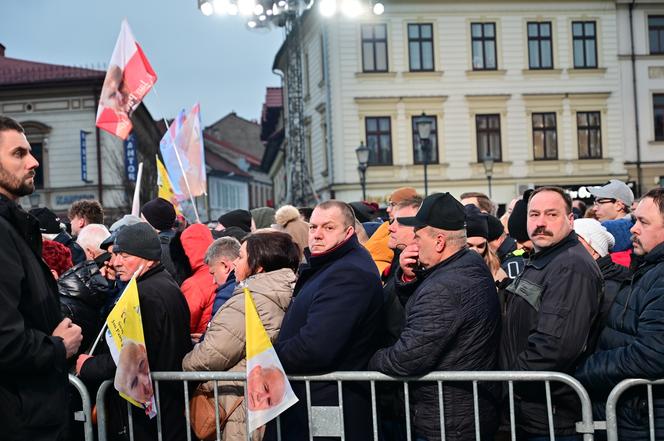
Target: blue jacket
(632, 346)
(331, 325)
(224, 292)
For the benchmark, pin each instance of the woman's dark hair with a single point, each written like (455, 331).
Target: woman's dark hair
(272, 250)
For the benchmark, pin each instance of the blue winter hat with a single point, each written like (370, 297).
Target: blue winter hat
(619, 228)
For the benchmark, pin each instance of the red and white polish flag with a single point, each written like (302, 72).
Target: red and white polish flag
(128, 80)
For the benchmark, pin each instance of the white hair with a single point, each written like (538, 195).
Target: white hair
(91, 236)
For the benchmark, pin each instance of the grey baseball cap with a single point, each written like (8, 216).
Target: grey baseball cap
(615, 189)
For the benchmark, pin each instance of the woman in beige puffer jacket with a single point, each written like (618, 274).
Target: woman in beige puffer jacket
(267, 266)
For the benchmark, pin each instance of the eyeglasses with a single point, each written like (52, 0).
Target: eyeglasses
(603, 201)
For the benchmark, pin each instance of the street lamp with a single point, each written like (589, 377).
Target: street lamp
(487, 161)
(34, 199)
(424, 132)
(362, 153)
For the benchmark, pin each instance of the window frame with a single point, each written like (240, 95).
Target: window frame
(585, 38)
(588, 128)
(487, 132)
(483, 39)
(373, 41)
(544, 129)
(420, 41)
(660, 32)
(538, 41)
(433, 137)
(378, 133)
(655, 107)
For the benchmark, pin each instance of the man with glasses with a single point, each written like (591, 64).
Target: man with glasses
(612, 201)
(381, 254)
(612, 208)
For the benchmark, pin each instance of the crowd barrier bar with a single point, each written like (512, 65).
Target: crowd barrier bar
(612, 406)
(328, 420)
(84, 415)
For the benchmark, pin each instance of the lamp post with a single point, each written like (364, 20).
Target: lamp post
(362, 153)
(487, 161)
(424, 132)
(34, 199)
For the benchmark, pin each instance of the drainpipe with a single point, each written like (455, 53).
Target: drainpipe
(639, 176)
(328, 110)
(100, 185)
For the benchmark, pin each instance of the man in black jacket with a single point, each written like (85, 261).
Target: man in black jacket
(550, 311)
(165, 317)
(452, 323)
(332, 322)
(35, 340)
(630, 346)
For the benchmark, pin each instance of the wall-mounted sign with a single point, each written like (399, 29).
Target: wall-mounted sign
(131, 160)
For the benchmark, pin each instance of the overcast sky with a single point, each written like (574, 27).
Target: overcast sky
(215, 60)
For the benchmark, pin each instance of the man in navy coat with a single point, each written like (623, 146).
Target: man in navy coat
(332, 322)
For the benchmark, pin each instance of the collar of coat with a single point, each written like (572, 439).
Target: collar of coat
(655, 256)
(542, 258)
(24, 223)
(318, 260)
(152, 271)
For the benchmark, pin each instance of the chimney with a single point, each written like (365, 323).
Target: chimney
(2, 50)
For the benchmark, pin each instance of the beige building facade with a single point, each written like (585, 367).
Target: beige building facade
(535, 85)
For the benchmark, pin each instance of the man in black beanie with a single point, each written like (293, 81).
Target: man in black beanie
(165, 317)
(236, 218)
(161, 215)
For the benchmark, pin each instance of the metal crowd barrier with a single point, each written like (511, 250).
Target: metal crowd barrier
(328, 421)
(612, 406)
(85, 414)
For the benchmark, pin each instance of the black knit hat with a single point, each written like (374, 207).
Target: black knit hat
(496, 227)
(236, 218)
(49, 223)
(140, 240)
(439, 210)
(476, 223)
(159, 213)
(518, 221)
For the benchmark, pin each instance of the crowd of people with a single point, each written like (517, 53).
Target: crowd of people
(441, 285)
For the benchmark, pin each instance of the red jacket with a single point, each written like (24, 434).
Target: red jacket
(199, 289)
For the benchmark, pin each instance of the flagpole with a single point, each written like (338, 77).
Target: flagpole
(103, 328)
(136, 203)
(177, 155)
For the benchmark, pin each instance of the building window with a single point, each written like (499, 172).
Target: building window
(488, 137)
(589, 133)
(379, 140)
(545, 138)
(420, 47)
(484, 46)
(540, 48)
(585, 44)
(374, 48)
(656, 34)
(658, 112)
(418, 154)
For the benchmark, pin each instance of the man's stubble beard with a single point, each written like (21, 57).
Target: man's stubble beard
(15, 186)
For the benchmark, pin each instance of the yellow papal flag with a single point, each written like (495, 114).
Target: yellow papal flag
(268, 391)
(165, 187)
(126, 341)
